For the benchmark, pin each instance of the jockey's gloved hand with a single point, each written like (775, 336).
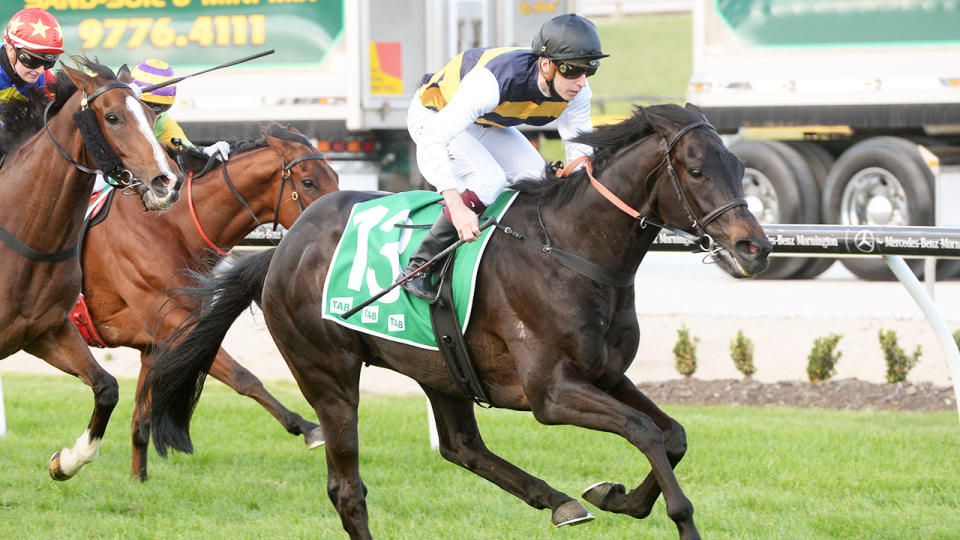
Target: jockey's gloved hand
(556, 167)
(221, 149)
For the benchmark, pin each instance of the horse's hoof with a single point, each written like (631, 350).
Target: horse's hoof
(599, 493)
(55, 471)
(571, 513)
(314, 439)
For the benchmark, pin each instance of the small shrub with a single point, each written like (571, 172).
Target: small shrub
(741, 351)
(898, 363)
(822, 360)
(685, 352)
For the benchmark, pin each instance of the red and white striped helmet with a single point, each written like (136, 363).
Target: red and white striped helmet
(35, 30)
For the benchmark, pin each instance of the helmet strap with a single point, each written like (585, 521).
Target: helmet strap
(549, 75)
(10, 68)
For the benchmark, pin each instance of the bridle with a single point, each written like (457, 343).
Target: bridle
(285, 178)
(703, 241)
(98, 147)
(606, 276)
(94, 140)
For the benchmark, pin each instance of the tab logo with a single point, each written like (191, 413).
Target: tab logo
(370, 314)
(395, 323)
(339, 306)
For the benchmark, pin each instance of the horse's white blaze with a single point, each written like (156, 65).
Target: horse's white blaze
(136, 109)
(84, 451)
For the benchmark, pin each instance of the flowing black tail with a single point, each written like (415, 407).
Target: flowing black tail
(174, 380)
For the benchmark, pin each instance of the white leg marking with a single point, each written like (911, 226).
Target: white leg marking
(84, 451)
(136, 109)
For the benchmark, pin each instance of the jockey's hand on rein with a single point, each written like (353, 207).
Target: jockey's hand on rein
(221, 149)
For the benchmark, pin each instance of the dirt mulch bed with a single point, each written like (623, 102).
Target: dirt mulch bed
(849, 394)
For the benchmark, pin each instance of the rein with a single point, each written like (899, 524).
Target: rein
(614, 278)
(702, 240)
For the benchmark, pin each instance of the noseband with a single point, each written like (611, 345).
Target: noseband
(703, 240)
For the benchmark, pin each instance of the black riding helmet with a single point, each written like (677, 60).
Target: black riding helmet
(568, 37)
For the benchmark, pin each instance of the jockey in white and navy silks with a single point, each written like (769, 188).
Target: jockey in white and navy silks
(464, 117)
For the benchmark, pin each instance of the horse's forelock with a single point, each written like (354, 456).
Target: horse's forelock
(283, 132)
(92, 65)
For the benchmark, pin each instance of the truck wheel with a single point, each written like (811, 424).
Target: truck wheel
(820, 161)
(880, 181)
(779, 188)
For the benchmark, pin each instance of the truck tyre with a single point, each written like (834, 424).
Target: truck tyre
(880, 181)
(820, 162)
(779, 188)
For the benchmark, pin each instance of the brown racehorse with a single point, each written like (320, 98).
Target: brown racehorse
(46, 184)
(544, 337)
(274, 179)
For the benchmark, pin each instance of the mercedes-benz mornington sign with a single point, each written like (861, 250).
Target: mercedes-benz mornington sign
(846, 240)
(791, 239)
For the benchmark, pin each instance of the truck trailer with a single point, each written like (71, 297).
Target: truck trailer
(343, 73)
(844, 111)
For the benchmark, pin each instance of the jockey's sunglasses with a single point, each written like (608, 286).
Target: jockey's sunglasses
(159, 109)
(32, 61)
(570, 70)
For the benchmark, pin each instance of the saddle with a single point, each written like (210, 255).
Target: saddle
(80, 314)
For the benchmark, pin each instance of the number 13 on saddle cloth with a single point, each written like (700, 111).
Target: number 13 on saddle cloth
(373, 251)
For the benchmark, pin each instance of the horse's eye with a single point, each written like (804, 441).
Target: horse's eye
(308, 182)
(112, 118)
(695, 172)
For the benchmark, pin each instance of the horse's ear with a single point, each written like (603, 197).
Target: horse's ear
(693, 109)
(80, 79)
(657, 121)
(123, 74)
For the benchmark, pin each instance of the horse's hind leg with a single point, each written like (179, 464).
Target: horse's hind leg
(63, 348)
(571, 400)
(460, 443)
(639, 502)
(228, 371)
(330, 381)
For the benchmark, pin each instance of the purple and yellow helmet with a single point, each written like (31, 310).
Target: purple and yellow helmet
(152, 71)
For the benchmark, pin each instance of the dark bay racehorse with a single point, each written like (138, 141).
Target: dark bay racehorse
(274, 179)
(544, 337)
(46, 184)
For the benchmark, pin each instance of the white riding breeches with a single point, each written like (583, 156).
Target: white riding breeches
(485, 160)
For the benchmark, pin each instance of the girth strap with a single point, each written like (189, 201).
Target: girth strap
(15, 244)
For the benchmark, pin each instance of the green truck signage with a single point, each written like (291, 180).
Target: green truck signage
(802, 23)
(192, 33)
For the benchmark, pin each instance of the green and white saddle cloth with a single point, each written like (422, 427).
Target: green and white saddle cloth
(373, 252)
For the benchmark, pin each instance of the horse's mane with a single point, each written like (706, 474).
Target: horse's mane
(194, 159)
(607, 141)
(21, 119)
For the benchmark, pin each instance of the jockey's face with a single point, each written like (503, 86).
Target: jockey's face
(567, 88)
(29, 75)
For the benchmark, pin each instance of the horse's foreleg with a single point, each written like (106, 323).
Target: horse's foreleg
(228, 371)
(572, 400)
(613, 497)
(461, 443)
(140, 426)
(63, 348)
